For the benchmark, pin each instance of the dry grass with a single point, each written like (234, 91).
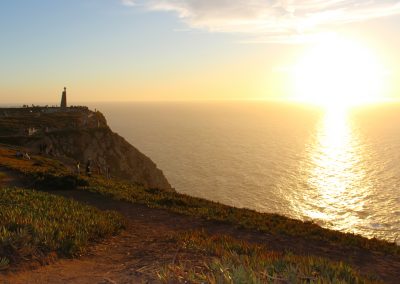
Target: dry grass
(33, 224)
(226, 260)
(46, 173)
(243, 218)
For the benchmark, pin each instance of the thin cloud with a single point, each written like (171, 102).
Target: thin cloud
(129, 2)
(271, 20)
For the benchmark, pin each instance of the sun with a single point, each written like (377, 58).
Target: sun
(338, 72)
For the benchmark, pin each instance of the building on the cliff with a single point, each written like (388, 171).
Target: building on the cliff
(64, 98)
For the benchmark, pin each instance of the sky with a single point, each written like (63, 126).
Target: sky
(167, 50)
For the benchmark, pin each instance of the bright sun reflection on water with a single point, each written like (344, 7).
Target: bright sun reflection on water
(336, 176)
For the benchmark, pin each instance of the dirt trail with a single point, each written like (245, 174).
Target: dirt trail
(10, 179)
(144, 247)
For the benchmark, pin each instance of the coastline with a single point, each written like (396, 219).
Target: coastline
(277, 232)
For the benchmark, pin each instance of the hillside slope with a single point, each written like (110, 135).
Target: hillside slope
(106, 148)
(79, 135)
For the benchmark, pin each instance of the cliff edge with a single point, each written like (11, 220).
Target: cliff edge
(79, 134)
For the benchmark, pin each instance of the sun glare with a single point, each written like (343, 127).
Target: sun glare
(338, 72)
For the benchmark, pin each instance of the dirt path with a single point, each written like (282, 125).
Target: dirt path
(9, 179)
(145, 246)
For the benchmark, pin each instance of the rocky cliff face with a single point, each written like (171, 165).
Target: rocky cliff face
(105, 148)
(81, 135)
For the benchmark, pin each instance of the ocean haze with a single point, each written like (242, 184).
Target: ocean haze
(337, 168)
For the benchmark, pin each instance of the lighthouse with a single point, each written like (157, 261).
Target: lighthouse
(64, 98)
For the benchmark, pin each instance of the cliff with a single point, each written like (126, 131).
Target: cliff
(81, 135)
(106, 149)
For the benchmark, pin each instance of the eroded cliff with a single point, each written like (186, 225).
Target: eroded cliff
(105, 148)
(80, 135)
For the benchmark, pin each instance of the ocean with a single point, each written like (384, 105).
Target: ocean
(339, 168)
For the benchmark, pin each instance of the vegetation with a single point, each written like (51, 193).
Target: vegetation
(34, 224)
(226, 260)
(17, 120)
(46, 172)
(41, 172)
(244, 218)
(36, 165)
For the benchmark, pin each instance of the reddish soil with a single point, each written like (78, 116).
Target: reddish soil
(144, 247)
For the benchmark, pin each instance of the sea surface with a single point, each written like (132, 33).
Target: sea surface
(337, 167)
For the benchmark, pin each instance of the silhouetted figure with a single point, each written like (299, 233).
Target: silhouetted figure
(78, 168)
(64, 98)
(96, 167)
(108, 172)
(89, 168)
(19, 154)
(42, 148)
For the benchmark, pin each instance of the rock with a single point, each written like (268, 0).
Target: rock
(106, 148)
(80, 134)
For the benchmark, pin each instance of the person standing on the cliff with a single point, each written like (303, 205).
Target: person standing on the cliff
(26, 156)
(98, 166)
(19, 154)
(78, 168)
(108, 172)
(88, 169)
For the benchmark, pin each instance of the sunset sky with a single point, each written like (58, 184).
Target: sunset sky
(114, 50)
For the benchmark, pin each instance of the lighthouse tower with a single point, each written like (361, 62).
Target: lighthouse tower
(64, 98)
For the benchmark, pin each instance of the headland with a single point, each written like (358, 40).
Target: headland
(152, 233)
